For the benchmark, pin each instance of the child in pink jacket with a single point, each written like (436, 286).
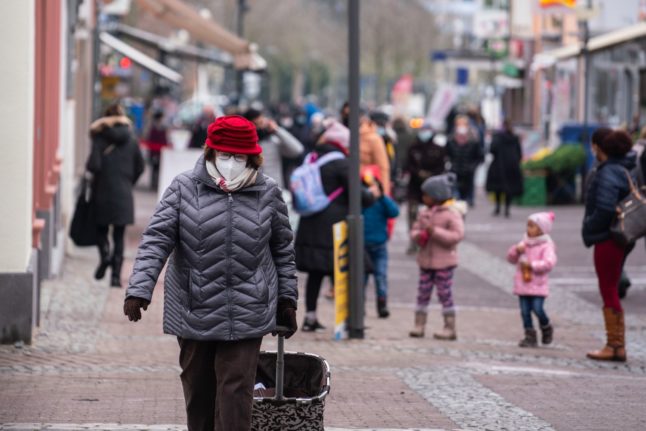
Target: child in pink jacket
(438, 231)
(535, 257)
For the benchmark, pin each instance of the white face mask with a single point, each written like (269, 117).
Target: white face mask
(425, 135)
(231, 168)
(462, 130)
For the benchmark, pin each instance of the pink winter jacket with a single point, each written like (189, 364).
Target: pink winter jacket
(438, 250)
(540, 253)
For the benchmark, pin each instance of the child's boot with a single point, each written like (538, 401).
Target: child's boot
(448, 333)
(420, 324)
(547, 333)
(530, 339)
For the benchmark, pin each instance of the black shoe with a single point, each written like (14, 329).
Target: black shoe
(547, 334)
(382, 308)
(312, 326)
(104, 255)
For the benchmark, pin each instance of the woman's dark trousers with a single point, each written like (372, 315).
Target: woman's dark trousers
(116, 259)
(218, 379)
(500, 197)
(313, 287)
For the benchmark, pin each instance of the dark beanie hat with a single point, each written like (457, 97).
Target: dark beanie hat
(252, 114)
(233, 134)
(440, 187)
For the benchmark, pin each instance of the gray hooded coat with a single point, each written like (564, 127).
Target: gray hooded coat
(231, 258)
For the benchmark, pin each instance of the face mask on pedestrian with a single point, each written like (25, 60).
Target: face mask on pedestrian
(462, 130)
(230, 166)
(425, 135)
(381, 131)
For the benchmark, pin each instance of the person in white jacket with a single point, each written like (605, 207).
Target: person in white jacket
(276, 143)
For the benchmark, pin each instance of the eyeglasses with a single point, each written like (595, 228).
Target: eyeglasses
(236, 157)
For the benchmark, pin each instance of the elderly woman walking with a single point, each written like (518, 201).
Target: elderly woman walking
(231, 277)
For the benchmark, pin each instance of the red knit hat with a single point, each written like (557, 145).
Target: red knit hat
(233, 134)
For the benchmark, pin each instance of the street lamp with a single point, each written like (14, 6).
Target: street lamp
(242, 9)
(585, 52)
(355, 219)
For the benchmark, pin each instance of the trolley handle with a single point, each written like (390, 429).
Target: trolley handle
(280, 363)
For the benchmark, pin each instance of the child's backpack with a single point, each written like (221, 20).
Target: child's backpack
(307, 187)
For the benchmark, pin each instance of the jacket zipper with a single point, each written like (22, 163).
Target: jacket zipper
(229, 250)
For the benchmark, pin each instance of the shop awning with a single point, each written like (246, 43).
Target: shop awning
(140, 58)
(164, 44)
(597, 43)
(180, 15)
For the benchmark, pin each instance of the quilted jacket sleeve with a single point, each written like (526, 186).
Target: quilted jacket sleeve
(513, 256)
(156, 245)
(281, 245)
(451, 234)
(547, 262)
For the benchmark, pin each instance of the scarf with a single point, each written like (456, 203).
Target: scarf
(245, 179)
(537, 240)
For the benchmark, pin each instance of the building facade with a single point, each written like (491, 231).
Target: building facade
(46, 88)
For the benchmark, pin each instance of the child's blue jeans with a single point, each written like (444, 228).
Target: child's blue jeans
(529, 304)
(378, 254)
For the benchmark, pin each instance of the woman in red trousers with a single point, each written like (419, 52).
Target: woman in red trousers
(609, 186)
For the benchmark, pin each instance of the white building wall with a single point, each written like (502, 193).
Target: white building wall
(17, 19)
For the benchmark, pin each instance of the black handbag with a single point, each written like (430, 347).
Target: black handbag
(83, 226)
(630, 223)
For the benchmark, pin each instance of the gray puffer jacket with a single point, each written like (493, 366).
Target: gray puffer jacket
(232, 258)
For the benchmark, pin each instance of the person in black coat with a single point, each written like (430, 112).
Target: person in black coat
(505, 177)
(466, 154)
(425, 159)
(116, 163)
(609, 186)
(314, 242)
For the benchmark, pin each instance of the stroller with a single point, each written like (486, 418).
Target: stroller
(291, 391)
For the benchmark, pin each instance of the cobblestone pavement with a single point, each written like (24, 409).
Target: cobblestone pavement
(90, 369)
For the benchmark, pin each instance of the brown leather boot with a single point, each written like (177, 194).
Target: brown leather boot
(615, 348)
(420, 324)
(448, 333)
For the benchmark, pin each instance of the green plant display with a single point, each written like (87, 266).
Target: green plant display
(567, 158)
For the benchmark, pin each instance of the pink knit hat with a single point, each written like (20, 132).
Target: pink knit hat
(336, 133)
(544, 220)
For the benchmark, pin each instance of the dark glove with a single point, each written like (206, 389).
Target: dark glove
(132, 306)
(286, 316)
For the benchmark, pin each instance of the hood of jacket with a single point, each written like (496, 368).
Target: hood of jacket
(629, 161)
(116, 129)
(460, 207)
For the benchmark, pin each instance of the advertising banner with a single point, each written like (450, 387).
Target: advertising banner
(341, 281)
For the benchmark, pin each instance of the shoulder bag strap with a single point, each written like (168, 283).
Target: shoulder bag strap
(633, 188)
(329, 157)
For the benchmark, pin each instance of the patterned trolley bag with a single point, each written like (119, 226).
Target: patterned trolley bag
(296, 386)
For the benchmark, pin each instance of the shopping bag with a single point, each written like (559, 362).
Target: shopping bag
(83, 226)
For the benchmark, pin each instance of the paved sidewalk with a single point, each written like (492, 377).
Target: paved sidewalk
(90, 368)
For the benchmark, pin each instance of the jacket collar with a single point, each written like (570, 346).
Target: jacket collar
(202, 175)
(104, 122)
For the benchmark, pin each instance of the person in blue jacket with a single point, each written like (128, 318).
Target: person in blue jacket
(376, 233)
(609, 186)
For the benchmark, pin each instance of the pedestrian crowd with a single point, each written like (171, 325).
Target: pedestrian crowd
(224, 229)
